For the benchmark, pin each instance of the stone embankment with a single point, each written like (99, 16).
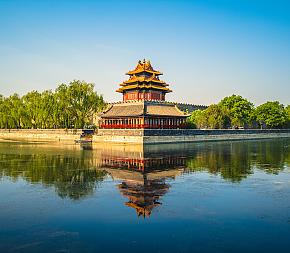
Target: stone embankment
(47, 135)
(141, 135)
(185, 135)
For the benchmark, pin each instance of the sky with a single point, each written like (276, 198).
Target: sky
(206, 49)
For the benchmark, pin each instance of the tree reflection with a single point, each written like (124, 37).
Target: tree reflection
(72, 176)
(236, 160)
(230, 160)
(77, 173)
(271, 156)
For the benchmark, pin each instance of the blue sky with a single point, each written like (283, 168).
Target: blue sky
(206, 49)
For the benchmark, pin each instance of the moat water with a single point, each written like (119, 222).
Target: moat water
(201, 197)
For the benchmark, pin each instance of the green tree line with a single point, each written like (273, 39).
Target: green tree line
(69, 106)
(237, 112)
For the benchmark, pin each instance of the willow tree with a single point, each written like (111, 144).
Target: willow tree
(11, 112)
(78, 102)
(3, 112)
(69, 106)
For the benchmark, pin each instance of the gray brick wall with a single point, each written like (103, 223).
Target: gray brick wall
(185, 132)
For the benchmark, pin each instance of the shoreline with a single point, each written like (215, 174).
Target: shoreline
(40, 135)
(141, 136)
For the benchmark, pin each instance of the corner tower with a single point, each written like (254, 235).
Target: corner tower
(144, 84)
(143, 105)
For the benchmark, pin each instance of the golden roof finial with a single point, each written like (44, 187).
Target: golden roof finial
(144, 65)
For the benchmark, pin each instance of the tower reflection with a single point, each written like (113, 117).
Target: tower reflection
(143, 172)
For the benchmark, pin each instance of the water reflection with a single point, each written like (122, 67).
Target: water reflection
(70, 172)
(143, 189)
(237, 160)
(143, 171)
(201, 197)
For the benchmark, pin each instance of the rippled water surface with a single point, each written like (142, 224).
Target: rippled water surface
(202, 197)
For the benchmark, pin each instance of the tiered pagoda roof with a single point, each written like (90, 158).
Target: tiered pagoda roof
(144, 77)
(143, 105)
(143, 108)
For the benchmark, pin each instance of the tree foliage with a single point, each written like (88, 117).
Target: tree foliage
(239, 110)
(69, 106)
(287, 110)
(235, 112)
(271, 114)
(194, 120)
(213, 117)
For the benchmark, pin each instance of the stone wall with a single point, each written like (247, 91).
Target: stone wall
(142, 135)
(185, 135)
(191, 132)
(187, 132)
(119, 139)
(120, 132)
(51, 135)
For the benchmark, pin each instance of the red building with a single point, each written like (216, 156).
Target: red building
(144, 104)
(144, 84)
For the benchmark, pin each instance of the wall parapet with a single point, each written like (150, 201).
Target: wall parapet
(46, 131)
(143, 135)
(187, 132)
(51, 135)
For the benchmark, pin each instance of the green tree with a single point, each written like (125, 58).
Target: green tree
(11, 112)
(195, 119)
(77, 103)
(33, 107)
(83, 102)
(216, 117)
(70, 106)
(239, 109)
(287, 110)
(3, 113)
(271, 115)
